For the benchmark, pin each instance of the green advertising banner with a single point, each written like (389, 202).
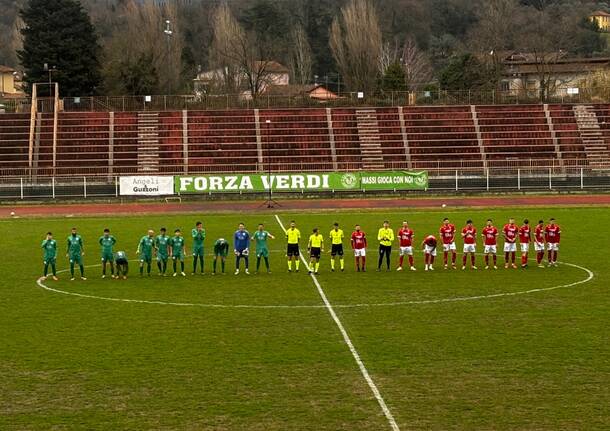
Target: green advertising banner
(291, 182)
(393, 180)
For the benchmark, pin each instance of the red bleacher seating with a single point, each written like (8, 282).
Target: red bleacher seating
(566, 131)
(442, 137)
(14, 142)
(295, 139)
(170, 142)
(518, 135)
(431, 137)
(125, 146)
(83, 141)
(222, 141)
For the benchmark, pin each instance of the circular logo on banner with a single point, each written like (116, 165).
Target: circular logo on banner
(349, 181)
(421, 180)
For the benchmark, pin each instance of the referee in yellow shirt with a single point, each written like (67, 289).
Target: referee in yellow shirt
(336, 241)
(315, 246)
(386, 238)
(293, 236)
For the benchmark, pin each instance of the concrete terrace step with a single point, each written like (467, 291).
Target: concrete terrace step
(369, 138)
(596, 150)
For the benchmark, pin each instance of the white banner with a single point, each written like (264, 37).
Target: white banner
(147, 186)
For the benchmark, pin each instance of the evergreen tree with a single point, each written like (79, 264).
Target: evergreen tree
(60, 34)
(394, 79)
(466, 72)
(140, 78)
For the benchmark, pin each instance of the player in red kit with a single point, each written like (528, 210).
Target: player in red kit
(552, 235)
(405, 236)
(539, 243)
(510, 233)
(429, 245)
(490, 236)
(447, 232)
(525, 238)
(469, 234)
(359, 246)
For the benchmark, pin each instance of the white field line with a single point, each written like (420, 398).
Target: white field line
(348, 341)
(590, 277)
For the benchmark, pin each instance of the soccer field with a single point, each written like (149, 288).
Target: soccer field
(446, 350)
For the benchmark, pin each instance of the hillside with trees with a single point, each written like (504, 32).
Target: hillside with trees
(349, 44)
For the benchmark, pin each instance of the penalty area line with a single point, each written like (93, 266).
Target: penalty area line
(348, 341)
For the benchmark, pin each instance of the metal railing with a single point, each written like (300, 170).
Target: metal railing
(290, 164)
(440, 181)
(346, 99)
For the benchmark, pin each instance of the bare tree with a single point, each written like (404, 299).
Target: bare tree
(356, 44)
(390, 54)
(143, 34)
(498, 22)
(301, 58)
(547, 37)
(494, 34)
(242, 59)
(227, 38)
(417, 66)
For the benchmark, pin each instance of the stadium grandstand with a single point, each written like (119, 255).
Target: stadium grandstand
(432, 138)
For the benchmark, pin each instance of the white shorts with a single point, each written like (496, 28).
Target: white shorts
(404, 251)
(491, 249)
(525, 247)
(449, 247)
(360, 252)
(430, 250)
(552, 246)
(539, 246)
(470, 248)
(510, 247)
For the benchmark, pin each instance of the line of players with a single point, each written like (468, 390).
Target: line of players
(162, 248)
(544, 238)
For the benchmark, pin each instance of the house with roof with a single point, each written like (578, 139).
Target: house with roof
(264, 72)
(8, 81)
(602, 19)
(526, 71)
(316, 92)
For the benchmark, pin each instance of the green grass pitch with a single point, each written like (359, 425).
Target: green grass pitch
(534, 361)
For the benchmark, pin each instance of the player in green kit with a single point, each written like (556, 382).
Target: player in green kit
(221, 251)
(107, 241)
(177, 245)
(262, 251)
(198, 235)
(162, 248)
(122, 264)
(49, 245)
(75, 253)
(145, 250)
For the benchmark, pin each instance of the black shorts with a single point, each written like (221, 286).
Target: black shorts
(385, 249)
(293, 250)
(121, 262)
(337, 249)
(315, 252)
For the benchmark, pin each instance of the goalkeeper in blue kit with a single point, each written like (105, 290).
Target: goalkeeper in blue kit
(241, 241)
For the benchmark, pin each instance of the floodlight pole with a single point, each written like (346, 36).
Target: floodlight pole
(169, 33)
